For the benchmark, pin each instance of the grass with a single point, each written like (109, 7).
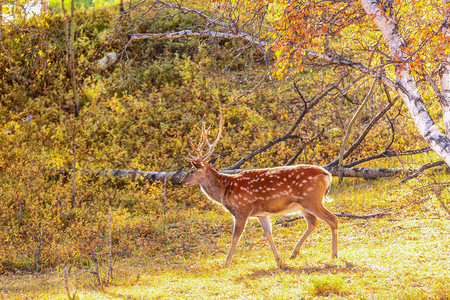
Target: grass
(400, 256)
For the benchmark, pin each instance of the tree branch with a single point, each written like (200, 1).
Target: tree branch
(385, 154)
(364, 134)
(304, 145)
(288, 135)
(368, 173)
(350, 125)
(202, 33)
(421, 170)
(341, 215)
(176, 176)
(239, 34)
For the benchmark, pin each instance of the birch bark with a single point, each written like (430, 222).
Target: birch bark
(409, 92)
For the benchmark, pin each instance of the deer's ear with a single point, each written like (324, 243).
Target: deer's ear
(197, 164)
(212, 161)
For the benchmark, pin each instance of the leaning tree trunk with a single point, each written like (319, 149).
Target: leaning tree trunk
(409, 92)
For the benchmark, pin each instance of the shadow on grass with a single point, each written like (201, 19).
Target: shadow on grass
(325, 268)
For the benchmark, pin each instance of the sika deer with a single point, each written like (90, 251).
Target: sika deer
(263, 192)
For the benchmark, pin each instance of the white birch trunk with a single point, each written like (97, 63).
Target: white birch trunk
(409, 93)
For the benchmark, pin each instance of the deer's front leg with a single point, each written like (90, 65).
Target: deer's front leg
(239, 225)
(267, 227)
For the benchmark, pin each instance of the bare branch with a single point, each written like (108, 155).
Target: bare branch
(176, 176)
(341, 215)
(364, 134)
(232, 32)
(248, 92)
(385, 154)
(186, 10)
(350, 125)
(422, 169)
(304, 145)
(203, 33)
(368, 173)
(288, 135)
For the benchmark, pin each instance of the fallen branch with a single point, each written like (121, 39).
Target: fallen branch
(421, 169)
(368, 173)
(352, 216)
(386, 154)
(341, 215)
(172, 176)
(175, 177)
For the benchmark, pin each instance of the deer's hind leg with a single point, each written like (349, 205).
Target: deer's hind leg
(311, 222)
(325, 215)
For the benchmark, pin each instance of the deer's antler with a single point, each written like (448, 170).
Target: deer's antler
(203, 141)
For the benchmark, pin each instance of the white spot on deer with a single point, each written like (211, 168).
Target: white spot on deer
(304, 181)
(304, 194)
(235, 196)
(297, 177)
(310, 189)
(310, 177)
(284, 179)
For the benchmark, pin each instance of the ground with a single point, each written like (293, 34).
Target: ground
(403, 255)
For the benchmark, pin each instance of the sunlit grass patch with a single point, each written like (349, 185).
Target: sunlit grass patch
(327, 285)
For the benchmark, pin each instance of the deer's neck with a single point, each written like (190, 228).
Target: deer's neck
(215, 187)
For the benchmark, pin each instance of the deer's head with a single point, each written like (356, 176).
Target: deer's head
(201, 168)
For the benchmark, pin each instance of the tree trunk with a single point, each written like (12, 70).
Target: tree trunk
(408, 92)
(73, 75)
(121, 7)
(1, 22)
